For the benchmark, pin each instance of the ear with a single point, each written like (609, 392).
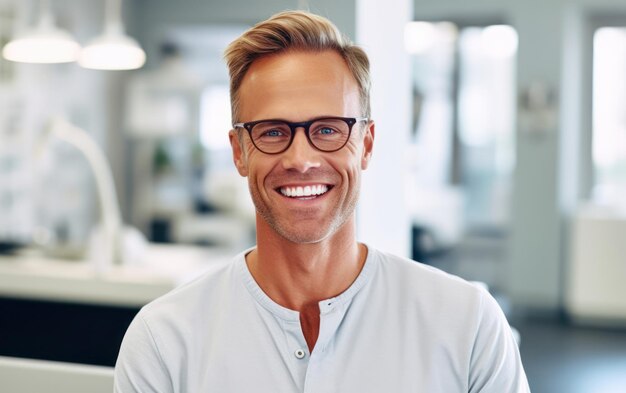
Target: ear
(368, 145)
(239, 157)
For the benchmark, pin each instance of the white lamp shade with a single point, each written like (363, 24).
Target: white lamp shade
(46, 44)
(112, 51)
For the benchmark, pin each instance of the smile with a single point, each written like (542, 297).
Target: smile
(306, 191)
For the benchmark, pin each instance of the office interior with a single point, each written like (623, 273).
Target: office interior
(500, 157)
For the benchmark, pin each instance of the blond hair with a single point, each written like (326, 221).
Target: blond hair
(300, 31)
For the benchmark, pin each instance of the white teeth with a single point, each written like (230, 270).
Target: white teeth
(305, 191)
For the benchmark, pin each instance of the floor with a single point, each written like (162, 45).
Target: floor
(559, 357)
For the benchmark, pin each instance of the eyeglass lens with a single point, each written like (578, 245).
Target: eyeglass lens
(324, 134)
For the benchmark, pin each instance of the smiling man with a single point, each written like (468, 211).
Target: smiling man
(310, 309)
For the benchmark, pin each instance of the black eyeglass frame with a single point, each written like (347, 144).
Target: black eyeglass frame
(306, 125)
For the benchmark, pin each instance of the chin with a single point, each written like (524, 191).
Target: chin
(307, 230)
(311, 232)
(303, 237)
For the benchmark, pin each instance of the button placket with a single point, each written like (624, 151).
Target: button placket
(296, 342)
(294, 346)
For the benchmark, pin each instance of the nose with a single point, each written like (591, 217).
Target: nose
(300, 156)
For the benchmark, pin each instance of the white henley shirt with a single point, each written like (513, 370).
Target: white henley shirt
(400, 327)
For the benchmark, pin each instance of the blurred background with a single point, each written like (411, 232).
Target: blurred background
(500, 157)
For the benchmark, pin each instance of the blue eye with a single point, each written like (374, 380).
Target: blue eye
(273, 132)
(326, 131)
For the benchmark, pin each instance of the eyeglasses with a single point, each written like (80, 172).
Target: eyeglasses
(274, 136)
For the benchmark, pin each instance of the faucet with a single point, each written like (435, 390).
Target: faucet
(110, 233)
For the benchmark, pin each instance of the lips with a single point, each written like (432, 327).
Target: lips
(308, 191)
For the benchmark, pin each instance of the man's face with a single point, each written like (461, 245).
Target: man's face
(299, 86)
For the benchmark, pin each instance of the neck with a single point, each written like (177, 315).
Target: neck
(298, 276)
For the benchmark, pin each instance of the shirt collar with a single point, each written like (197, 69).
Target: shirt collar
(326, 306)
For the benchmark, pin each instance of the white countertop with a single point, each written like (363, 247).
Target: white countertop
(30, 275)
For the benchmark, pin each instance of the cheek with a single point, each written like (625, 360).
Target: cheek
(354, 157)
(348, 165)
(259, 168)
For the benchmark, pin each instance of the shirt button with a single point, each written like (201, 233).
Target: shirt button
(299, 353)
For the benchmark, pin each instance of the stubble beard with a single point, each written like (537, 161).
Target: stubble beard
(307, 233)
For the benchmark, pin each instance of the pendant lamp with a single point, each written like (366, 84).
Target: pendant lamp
(45, 43)
(113, 50)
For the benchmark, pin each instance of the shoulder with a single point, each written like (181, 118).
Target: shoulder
(169, 328)
(204, 292)
(424, 280)
(459, 316)
(426, 292)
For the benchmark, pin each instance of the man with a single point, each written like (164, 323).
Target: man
(310, 309)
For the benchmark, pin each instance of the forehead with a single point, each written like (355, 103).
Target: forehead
(297, 86)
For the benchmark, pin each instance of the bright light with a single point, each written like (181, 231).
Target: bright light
(419, 36)
(609, 124)
(215, 119)
(448, 32)
(42, 46)
(112, 52)
(608, 39)
(499, 41)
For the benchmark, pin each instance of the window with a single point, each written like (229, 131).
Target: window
(486, 122)
(464, 88)
(215, 117)
(609, 114)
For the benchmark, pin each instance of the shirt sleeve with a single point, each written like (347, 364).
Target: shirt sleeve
(139, 367)
(496, 366)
